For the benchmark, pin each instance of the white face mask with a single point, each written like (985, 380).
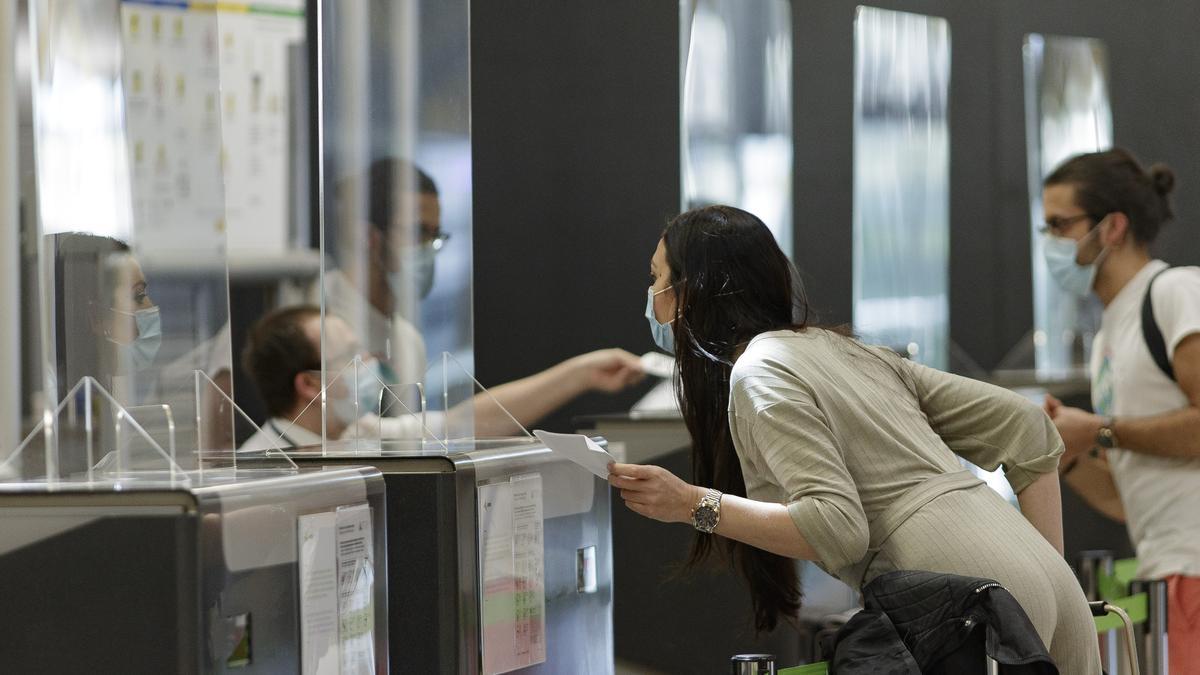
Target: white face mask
(140, 353)
(417, 267)
(662, 333)
(350, 401)
(1060, 254)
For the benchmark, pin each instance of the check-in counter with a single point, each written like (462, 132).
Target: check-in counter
(265, 571)
(500, 556)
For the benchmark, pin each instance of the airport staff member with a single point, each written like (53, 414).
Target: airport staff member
(283, 356)
(1103, 211)
(808, 444)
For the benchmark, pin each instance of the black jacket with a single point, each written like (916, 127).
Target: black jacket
(925, 622)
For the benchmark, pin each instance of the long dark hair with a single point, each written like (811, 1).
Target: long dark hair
(1113, 181)
(731, 283)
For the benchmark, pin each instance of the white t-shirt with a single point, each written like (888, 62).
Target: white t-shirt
(1161, 495)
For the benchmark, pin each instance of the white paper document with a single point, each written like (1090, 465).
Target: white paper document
(356, 590)
(579, 449)
(317, 539)
(512, 570)
(658, 364)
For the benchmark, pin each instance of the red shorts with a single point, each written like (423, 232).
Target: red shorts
(1183, 624)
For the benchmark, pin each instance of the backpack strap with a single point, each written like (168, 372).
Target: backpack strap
(1151, 333)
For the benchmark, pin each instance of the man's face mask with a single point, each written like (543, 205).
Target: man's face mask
(1061, 253)
(417, 267)
(343, 395)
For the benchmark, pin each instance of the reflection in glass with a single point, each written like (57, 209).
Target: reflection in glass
(901, 181)
(396, 231)
(1067, 113)
(737, 108)
(130, 228)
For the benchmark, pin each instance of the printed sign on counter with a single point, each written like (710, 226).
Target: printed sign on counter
(512, 571)
(337, 592)
(317, 539)
(356, 590)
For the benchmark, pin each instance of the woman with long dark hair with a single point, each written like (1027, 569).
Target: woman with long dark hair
(807, 444)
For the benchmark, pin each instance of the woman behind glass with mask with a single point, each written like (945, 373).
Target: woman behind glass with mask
(807, 444)
(106, 325)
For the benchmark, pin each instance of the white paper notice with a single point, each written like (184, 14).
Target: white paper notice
(356, 590)
(579, 449)
(317, 539)
(512, 570)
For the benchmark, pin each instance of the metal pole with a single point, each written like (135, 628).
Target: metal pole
(1092, 565)
(1154, 640)
(10, 238)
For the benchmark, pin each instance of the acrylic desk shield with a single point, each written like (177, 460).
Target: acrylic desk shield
(133, 324)
(130, 106)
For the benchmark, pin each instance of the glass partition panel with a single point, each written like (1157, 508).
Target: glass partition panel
(736, 100)
(1067, 113)
(901, 182)
(396, 177)
(129, 107)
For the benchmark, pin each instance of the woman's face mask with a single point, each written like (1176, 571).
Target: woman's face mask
(663, 336)
(1061, 253)
(140, 353)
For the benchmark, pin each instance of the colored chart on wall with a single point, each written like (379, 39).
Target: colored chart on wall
(207, 116)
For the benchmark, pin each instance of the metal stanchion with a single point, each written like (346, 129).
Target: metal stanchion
(1153, 657)
(1093, 564)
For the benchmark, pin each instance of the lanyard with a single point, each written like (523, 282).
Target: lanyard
(283, 436)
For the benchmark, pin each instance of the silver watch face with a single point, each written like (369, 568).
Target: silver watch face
(705, 518)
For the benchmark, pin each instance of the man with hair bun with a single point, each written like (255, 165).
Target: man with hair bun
(1137, 458)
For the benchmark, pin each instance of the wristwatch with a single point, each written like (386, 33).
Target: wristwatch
(707, 513)
(1105, 438)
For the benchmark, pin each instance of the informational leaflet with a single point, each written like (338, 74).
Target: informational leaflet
(512, 570)
(356, 590)
(317, 540)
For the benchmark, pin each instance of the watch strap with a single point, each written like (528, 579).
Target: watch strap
(710, 500)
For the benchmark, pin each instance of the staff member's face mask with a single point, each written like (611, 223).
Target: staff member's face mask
(663, 336)
(141, 352)
(356, 392)
(1062, 253)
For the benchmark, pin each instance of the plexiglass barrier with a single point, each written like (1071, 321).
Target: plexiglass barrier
(358, 410)
(395, 236)
(352, 412)
(902, 182)
(136, 105)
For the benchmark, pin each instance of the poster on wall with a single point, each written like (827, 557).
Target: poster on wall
(171, 83)
(512, 573)
(207, 122)
(255, 77)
